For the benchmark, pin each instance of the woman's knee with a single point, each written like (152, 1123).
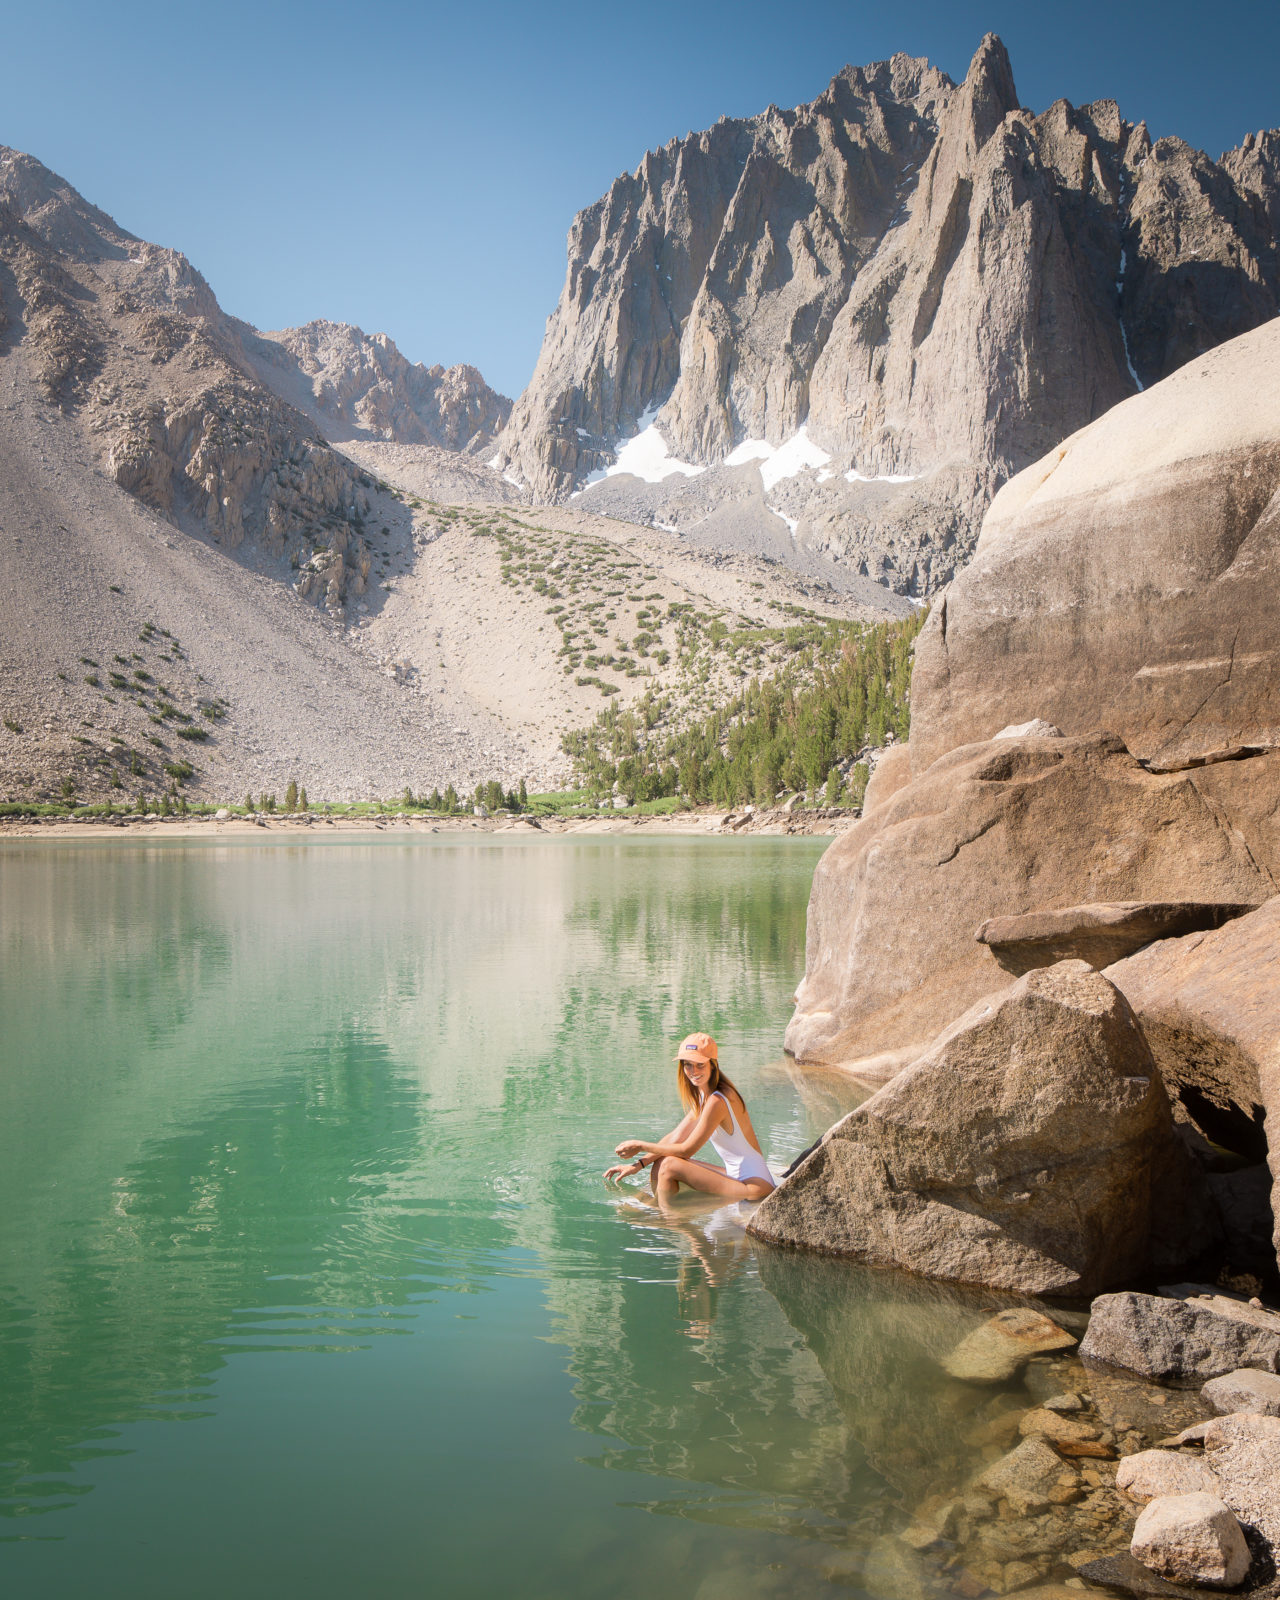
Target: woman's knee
(665, 1177)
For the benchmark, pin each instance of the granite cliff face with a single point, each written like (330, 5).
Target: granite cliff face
(925, 282)
(358, 385)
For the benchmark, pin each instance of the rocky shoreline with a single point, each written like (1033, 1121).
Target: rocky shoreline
(1081, 1472)
(779, 822)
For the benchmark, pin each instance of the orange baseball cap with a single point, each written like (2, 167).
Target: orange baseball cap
(698, 1047)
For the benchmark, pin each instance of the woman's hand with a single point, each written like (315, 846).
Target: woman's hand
(628, 1147)
(614, 1173)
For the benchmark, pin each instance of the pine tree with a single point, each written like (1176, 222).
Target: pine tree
(523, 795)
(248, 802)
(291, 797)
(450, 801)
(831, 795)
(433, 800)
(302, 799)
(409, 801)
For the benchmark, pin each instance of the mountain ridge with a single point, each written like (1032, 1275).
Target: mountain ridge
(930, 282)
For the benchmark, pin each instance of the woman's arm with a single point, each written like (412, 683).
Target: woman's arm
(683, 1141)
(640, 1163)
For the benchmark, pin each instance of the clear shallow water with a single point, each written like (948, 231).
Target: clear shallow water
(308, 1281)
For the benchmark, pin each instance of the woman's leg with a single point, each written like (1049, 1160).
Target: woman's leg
(669, 1172)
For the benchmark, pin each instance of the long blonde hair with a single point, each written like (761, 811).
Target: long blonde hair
(718, 1080)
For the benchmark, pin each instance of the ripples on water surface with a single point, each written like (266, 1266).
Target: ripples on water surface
(308, 1281)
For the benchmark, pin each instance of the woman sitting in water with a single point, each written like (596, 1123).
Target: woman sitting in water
(714, 1112)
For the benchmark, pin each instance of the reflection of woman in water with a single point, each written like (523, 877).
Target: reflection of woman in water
(715, 1114)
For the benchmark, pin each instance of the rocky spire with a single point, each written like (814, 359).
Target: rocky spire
(935, 284)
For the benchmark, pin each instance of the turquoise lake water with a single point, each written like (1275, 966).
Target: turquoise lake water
(309, 1284)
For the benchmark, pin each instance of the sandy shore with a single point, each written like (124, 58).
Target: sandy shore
(722, 824)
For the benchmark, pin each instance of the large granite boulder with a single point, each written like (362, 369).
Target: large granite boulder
(1210, 1008)
(995, 829)
(1130, 579)
(1031, 1148)
(1178, 1340)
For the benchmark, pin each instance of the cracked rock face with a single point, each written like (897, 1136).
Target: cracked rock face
(1031, 1148)
(996, 829)
(1130, 579)
(935, 284)
(1099, 934)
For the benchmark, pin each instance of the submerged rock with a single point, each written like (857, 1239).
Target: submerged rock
(1068, 1435)
(1126, 1573)
(1025, 1477)
(1192, 1538)
(1031, 1148)
(1004, 1344)
(1162, 1338)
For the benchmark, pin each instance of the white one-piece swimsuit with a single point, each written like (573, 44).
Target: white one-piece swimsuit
(741, 1158)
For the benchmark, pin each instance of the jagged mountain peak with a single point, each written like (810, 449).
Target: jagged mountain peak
(929, 282)
(55, 212)
(359, 385)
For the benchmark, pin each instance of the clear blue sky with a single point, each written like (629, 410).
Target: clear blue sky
(414, 168)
